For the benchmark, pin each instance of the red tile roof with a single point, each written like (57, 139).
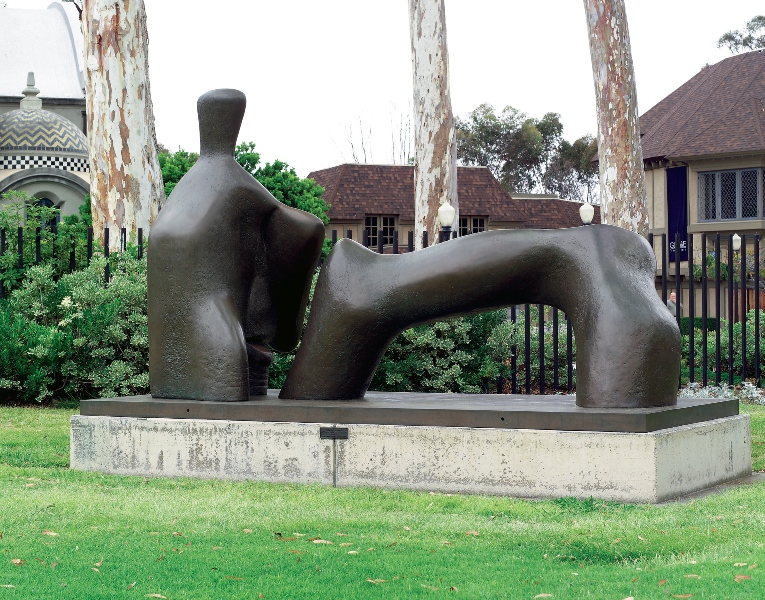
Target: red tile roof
(721, 110)
(554, 213)
(354, 190)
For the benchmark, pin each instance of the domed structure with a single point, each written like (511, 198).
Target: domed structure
(43, 154)
(40, 131)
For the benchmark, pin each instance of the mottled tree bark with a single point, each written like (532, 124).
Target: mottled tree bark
(435, 138)
(622, 179)
(126, 187)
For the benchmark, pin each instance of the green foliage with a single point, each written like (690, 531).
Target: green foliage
(282, 181)
(698, 323)
(752, 37)
(76, 337)
(21, 211)
(445, 356)
(174, 166)
(525, 153)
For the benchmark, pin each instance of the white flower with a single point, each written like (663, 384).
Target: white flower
(66, 302)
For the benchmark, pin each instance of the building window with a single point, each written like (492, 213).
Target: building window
(470, 225)
(727, 195)
(384, 226)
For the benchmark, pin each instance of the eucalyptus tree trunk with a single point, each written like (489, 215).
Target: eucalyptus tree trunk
(435, 138)
(622, 179)
(126, 187)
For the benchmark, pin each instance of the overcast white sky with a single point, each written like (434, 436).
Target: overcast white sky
(311, 69)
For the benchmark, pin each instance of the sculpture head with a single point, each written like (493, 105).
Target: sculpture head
(220, 117)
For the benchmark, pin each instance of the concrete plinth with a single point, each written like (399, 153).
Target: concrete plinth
(628, 467)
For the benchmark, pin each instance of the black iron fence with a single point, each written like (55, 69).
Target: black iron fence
(48, 244)
(718, 313)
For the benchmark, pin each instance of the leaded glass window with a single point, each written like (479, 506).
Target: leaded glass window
(731, 194)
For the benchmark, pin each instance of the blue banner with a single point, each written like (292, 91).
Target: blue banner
(677, 211)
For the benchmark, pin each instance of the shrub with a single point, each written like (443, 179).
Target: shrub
(76, 337)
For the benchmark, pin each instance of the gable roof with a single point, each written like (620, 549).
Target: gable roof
(354, 190)
(721, 110)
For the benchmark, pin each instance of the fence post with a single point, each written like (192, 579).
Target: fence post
(2, 253)
(123, 239)
(20, 247)
(691, 312)
(37, 245)
(731, 275)
(424, 239)
(410, 242)
(556, 381)
(527, 347)
(106, 254)
(757, 308)
(90, 244)
(514, 357)
(72, 255)
(365, 238)
(334, 237)
(541, 323)
(380, 241)
(743, 308)
(704, 312)
(395, 241)
(569, 355)
(664, 268)
(717, 308)
(349, 234)
(140, 243)
(678, 294)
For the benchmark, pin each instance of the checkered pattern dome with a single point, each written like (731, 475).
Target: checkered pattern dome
(30, 130)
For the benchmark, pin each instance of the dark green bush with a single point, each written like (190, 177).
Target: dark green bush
(698, 323)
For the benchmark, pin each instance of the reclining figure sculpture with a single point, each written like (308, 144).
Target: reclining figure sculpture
(229, 271)
(602, 277)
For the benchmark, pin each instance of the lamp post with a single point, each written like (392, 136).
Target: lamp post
(732, 274)
(446, 214)
(586, 213)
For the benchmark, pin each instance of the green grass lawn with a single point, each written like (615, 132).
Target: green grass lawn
(66, 534)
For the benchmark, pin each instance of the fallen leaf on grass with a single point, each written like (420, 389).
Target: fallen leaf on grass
(543, 596)
(739, 578)
(217, 548)
(642, 539)
(388, 546)
(682, 596)
(18, 562)
(132, 585)
(692, 576)
(377, 581)
(754, 566)
(408, 528)
(429, 587)
(49, 532)
(99, 563)
(299, 534)
(453, 589)
(246, 530)
(472, 533)
(662, 582)
(446, 543)
(320, 541)
(630, 598)
(177, 534)
(232, 578)
(53, 565)
(94, 569)
(154, 596)
(739, 564)
(353, 551)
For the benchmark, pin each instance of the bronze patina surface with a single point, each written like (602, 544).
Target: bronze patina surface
(602, 277)
(229, 271)
(438, 410)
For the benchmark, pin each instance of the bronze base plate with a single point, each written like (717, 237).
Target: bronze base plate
(500, 411)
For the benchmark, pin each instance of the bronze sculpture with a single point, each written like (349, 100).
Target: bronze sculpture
(628, 344)
(229, 271)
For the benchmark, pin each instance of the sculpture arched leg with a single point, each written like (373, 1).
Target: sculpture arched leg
(602, 277)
